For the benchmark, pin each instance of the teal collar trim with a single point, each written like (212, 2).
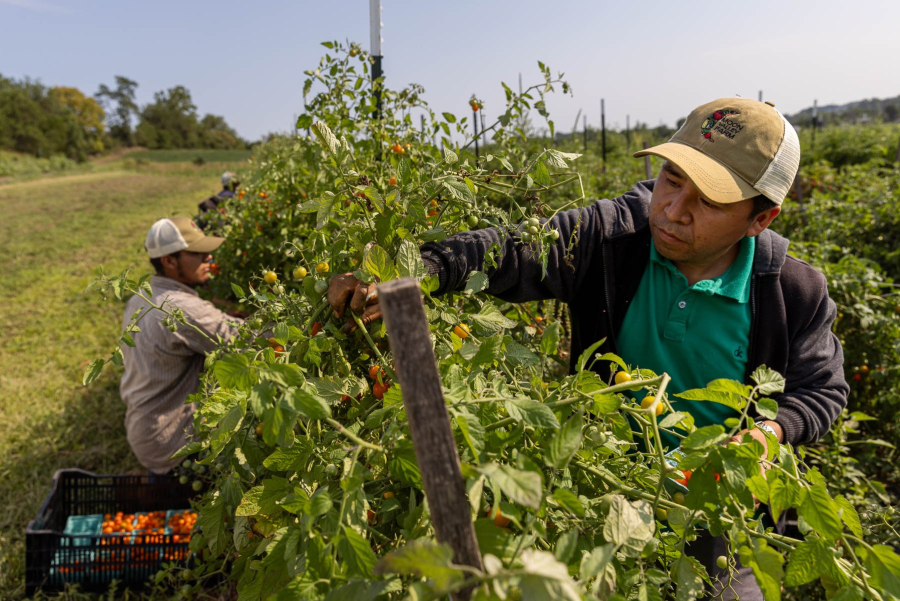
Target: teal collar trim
(734, 283)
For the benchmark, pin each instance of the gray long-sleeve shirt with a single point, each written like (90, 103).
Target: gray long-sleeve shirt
(163, 369)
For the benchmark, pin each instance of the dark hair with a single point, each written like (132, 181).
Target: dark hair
(761, 204)
(157, 262)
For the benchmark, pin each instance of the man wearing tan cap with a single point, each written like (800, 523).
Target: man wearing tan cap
(164, 366)
(680, 275)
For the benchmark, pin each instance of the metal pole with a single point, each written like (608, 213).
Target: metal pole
(815, 122)
(628, 134)
(481, 112)
(375, 40)
(648, 168)
(584, 120)
(603, 129)
(475, 128)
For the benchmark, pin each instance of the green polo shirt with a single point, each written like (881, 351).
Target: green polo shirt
(696, 333)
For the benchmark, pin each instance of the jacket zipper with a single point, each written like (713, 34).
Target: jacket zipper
(750, 344)
(611, 331)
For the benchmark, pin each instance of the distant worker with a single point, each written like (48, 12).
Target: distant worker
(164, 366)
(230, 184)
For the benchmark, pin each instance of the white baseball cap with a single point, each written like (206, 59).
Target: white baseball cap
(228, 178)
(169, 236)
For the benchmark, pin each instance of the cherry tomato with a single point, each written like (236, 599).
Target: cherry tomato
(317, 327)
(379, 389)
(648, 400)
(500, 520)
(300, 273)
(270, 277)
(462, 330)
(622, 377)
(392, 181)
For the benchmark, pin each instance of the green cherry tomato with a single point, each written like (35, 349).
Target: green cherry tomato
(533, 230)
(722, 562)
(554, 234)
(533, 222)
(527, 238)
(321, 287)
(186, 464)
(331, 469)
(183, 479)
(472, 220)
(197, 485)
(661, 514)
(678, 498)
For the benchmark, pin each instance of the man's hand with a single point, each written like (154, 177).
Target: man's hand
(758, 435)
(362, 299)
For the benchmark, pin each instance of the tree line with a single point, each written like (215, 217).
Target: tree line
(49, 121)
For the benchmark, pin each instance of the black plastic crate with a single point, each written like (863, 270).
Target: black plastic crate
(93, 560)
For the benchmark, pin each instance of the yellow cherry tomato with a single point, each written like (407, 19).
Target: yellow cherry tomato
(270, 277)
(648, 400)
(622, 377)
(388, 495)
(322, 267)
(300, 273)
(462, 330)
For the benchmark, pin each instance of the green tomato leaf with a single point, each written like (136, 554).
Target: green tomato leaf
(767, 408)
(235, 371)
(688, 579)
(766, 565)
(568, 501)
(311, 405)
(769, 381)
(564, 443)
(883, 564)
(820, 512)
(807, 562)
(849, 516)
(422, 559)
(356, 553)
(523, 487)
(533, 413)
(704, 437)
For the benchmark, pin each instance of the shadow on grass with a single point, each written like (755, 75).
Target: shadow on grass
(88, 433)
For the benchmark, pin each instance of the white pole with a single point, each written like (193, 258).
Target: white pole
(375, 26)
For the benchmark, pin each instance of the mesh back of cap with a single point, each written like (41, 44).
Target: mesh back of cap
(776, 181)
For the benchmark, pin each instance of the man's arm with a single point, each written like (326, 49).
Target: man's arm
(816, 390)
(211, 321)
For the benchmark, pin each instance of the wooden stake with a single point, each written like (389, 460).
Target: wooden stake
(416, 367)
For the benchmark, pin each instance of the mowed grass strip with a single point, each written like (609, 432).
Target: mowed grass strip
(183, 155)
(54, 236)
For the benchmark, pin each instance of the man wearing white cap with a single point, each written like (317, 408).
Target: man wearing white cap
(680, 275)
(164, 366)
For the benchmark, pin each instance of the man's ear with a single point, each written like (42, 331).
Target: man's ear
(169, 263)
(762, 221)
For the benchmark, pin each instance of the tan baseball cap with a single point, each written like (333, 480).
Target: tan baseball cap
(169, 236)
(735, 148)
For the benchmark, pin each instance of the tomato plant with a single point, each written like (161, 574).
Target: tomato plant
(320, 494)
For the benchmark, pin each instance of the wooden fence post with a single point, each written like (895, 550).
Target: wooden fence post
(416, 367)
(648, 168)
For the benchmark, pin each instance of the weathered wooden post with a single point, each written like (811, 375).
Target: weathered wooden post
(416, 367)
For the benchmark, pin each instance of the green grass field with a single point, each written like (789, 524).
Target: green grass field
(54, 234)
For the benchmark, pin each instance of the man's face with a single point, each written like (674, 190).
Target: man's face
(189, 268)
(690, 229)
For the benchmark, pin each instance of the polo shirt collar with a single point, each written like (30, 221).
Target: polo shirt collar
(734, 283)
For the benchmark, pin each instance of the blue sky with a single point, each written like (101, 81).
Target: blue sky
(653, 60)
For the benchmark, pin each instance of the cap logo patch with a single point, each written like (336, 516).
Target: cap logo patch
(718, 122)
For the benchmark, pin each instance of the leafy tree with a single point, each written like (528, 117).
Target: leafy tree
(86, 110)
(120, 106)
(43, 123)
